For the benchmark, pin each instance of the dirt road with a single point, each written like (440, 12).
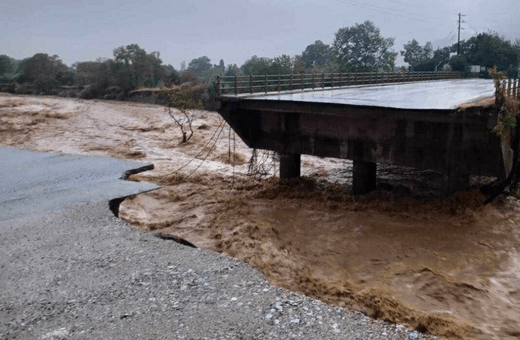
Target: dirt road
(446, 268)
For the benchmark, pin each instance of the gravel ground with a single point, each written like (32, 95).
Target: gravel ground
(84, 274)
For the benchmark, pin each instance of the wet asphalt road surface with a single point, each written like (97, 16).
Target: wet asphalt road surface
(34, 183)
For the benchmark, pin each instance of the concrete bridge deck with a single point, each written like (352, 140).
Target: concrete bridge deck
(428, 95)
(425, 125)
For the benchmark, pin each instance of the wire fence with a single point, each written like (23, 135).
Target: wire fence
(235, 85)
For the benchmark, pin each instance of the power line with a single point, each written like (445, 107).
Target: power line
(386, 10)
(458, 40)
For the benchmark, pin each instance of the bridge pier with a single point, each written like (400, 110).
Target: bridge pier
(363, 178)
(290, 165)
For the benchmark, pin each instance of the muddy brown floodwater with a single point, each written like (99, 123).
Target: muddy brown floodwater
(450, 271)
(447, 268)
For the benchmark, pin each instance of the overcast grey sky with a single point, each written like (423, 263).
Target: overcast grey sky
(233, 30)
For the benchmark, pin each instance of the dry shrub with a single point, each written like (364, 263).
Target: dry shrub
(187, 99)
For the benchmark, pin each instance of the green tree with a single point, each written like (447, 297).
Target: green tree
(199, 65)
(317, 54)
(362, 48)
(133, 67)
(187, 76)
(7, 65)
(98, 76)
(490, 49)
(256, 65)
(419, 58)
(232, 70)
(171, 76)
(298, 65)
(459, 64)
(413, 53)
(45, 72)
(427, 51)
(441, 57)
(221, 67)
(280, 65)
(129, 54)
(273, 66)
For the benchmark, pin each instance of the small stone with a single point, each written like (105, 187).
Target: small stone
(233, 299)
(295, 321)
(269, 316)
(414, 335)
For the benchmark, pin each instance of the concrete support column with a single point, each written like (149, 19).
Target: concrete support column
(363, 177)
(290, 165)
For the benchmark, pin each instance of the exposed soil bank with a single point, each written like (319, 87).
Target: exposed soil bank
(449, 268)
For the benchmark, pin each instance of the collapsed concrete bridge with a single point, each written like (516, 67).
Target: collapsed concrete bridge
(442, 125)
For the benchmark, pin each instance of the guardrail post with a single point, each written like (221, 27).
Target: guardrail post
(340, 79)
(251, 83)
(265, 84)
(236, 84)
(303, 81)
(218, 86)
(291, 83)
(279, 82)
(332, 80)
(323, 80)
(313, 80)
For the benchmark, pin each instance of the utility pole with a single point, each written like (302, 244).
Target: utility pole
(458, 40)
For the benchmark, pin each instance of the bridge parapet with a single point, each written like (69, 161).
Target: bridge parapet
(251, 84)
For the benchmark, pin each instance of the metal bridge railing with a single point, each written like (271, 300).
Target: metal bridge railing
(510, 87)
(235, 85)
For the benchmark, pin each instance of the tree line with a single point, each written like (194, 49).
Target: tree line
(487, 50)
(360, 48)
